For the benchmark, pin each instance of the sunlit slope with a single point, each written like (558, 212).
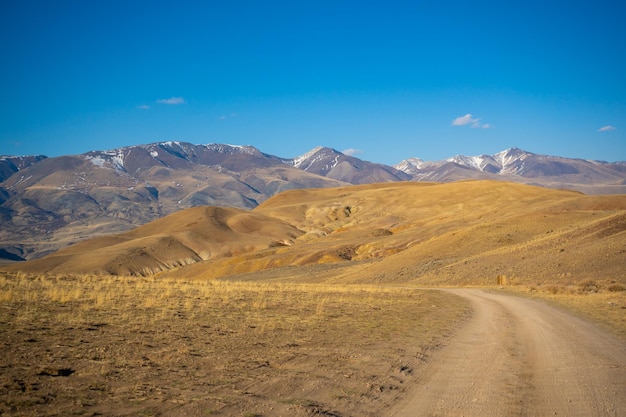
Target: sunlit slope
(182, 238)
(459, 233)
(454, 233)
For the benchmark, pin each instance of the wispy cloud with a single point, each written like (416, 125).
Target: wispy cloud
(171, 100)
(352, 151)
(143, 107)
(607, 128)
(473, 122)
(227, 116)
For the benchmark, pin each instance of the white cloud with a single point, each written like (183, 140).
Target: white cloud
(464, 120)
(352, 151)
(468, 119)
(143, 107)
(607, 128)
(171, 100)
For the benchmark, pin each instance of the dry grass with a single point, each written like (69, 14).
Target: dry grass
(81, 345)
(604, 302)
(465, 233)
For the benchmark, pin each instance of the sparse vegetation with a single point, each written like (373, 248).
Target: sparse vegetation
(601, 301)
(163, 346)
(616, 288)
(588, 285)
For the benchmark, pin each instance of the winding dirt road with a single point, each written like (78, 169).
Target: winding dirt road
(521, 357)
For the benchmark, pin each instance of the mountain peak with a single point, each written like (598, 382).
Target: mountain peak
(9, 165)
(232, 149)
(308, 159)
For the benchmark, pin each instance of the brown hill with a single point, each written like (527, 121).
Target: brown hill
(182, 238)
(454, 233)
(457, 233)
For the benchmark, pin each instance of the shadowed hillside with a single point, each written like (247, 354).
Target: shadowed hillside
(455, 233)
(182, 238)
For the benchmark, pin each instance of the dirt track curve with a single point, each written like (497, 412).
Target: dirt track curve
(521, 357)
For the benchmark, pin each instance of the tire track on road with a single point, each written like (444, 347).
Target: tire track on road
(521, 357)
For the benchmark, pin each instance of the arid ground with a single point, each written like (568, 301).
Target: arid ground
(142, 346)
(357, 301)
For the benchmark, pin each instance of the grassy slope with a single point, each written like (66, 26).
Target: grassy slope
(465, 233)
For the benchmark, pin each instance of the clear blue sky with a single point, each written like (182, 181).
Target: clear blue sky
(385, 80)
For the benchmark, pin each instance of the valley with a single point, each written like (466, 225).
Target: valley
(329, 301)
(463, 233)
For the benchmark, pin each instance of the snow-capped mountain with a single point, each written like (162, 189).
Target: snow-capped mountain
(175, 155)
(331, 163)
(518, 165)
(509, 161)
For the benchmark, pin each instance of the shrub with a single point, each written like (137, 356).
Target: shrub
(553, 288)
(588, 286)
(616, 288)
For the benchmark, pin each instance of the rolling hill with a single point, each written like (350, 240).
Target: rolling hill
(459, 233)
(182, 238)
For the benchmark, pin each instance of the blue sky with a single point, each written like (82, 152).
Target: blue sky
(382, 80)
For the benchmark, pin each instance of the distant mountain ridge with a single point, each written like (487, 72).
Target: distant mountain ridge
(48, 203)
(331, 163)
(9, 165)
(178, 155)
(594, 177)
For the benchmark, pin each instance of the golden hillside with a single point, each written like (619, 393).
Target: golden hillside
(454, 233)
(181, 238)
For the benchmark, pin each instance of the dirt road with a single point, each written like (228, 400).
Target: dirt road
(521, 357)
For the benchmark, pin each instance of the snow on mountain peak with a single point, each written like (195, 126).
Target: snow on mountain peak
(411, 166)
(107, 159)
(231, 149)
(509, 161)
(315, 154)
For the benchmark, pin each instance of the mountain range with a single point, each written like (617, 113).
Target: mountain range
(49, 203)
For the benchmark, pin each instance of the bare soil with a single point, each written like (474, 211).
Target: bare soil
(521, 357)
(142, 346)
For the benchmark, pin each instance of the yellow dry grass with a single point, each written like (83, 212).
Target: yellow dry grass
(464, 233)
(603, 302)
(135, 345)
